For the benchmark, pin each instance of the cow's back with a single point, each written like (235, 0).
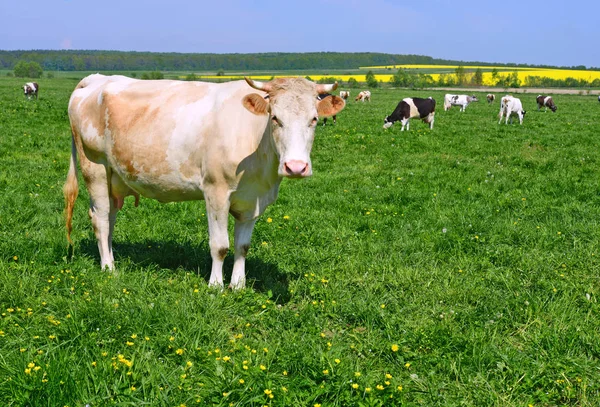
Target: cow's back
(165, 139)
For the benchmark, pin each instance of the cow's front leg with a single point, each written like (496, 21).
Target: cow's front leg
(243, 235)
(217, 212)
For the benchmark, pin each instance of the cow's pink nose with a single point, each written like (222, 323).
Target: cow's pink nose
(296, 168)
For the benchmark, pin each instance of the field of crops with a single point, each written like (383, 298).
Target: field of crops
(453, 267)
(436, 70)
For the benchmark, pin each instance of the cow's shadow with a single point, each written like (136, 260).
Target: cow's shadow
(170, 255)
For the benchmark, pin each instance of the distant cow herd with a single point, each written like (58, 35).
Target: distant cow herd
(424, 109)
(134, 137)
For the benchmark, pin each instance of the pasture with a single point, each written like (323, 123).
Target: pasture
(453, 267)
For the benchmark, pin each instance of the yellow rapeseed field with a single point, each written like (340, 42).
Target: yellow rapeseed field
(523, 73)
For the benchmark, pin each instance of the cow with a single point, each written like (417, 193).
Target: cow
(363, 95)
(458, 100)
(180, 141)
(31, 90)
(409, 108)
(510, 106)
(344, 94)
(490, 97)
(321, 97)
(546, 102)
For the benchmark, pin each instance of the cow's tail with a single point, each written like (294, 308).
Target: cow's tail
(71, 189)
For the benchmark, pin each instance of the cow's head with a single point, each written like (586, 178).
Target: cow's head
(474, 98)
(387, 122)
(553, 108)
(294, 111)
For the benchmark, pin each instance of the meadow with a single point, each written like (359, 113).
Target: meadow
(452, 267)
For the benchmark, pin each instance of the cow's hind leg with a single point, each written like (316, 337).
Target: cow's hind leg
(103, 212)
(243, 235)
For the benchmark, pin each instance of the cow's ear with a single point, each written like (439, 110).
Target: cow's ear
(330, 105)
(256, 104)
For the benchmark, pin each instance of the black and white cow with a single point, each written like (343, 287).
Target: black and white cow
(409, 108)
(546, 102)
(31, 89)
(458, 100)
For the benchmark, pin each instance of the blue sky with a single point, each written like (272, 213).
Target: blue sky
(536, 32)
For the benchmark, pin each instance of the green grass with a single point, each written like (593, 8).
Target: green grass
(462, 262)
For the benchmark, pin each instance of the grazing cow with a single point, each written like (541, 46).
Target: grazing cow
(510, 106)
(322, 96)
(458, 100)
(409, 108)
(344, 94)
(363, 95)
(490, 97)
(546, 102)
(31, 90)
(179, 141)
(598, 98)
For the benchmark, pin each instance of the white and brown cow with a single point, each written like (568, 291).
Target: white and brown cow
(458, 100)
(409, 108)
(546, 102)
(511, 106)
(363, 96)
(31, 89)
(177, 141)
(320, 97)
(490, 97)
(344, 94)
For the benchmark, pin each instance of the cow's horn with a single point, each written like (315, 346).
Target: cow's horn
(264, 86)
(326, 88)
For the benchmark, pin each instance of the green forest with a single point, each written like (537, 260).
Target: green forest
(84, 60)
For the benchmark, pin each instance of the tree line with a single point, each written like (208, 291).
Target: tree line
(84, 60)
(462, 77)
(31, 64)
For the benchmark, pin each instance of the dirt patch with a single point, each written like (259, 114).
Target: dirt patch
(537, 91)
